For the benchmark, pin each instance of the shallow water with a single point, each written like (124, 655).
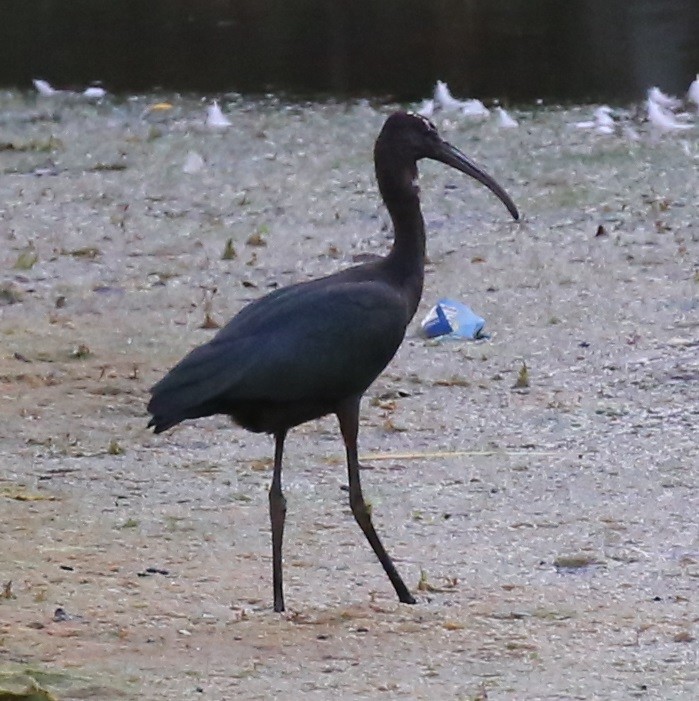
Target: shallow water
(556, 525)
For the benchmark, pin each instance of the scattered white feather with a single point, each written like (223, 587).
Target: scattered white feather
(693, 92)
(426, 108)
(660, 98)
(443, 98)
(661, 120)
(602, 122)
(504, 119)
(94, 92)
(43, 87)
(194, 163)
(215, 119)
(603, 117)
(476, 109)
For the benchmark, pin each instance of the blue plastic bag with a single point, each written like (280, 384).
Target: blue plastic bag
(454, 319)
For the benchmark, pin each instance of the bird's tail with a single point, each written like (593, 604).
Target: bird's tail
(160, 423)
(195, 387)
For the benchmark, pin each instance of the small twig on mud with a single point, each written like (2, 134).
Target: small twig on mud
(450, 454)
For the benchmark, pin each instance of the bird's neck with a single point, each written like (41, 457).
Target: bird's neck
(406, 260)
(408, 248)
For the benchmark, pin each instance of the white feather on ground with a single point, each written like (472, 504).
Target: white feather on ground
(44, 88)
(94, 92)
(602, 121)
(426, 108)
(194, 163)
(663, 121)
(660, 98)
(475, 109)
(693, 92)
(215, 119)
(505, 121)
(444, 99)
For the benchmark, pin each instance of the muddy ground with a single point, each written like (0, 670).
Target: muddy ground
(551, 532)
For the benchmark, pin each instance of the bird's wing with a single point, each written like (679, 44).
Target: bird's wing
(307, 341)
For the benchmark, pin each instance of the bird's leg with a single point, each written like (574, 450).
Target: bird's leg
(348, 416)
(277, 515)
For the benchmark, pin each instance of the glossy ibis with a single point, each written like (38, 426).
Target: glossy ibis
(313, 348)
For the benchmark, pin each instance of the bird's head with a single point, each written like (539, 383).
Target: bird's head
(410, 137)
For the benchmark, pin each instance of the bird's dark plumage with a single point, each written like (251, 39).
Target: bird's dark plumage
(286, 349)
(314, 348)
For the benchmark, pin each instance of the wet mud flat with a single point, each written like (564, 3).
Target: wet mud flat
(550, 531)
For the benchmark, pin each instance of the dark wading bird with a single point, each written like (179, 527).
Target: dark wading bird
(313, 348)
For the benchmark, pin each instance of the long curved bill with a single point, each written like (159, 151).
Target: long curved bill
(451, 156)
